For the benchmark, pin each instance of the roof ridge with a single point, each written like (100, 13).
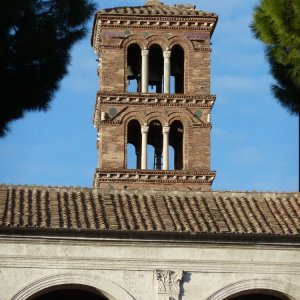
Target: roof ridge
(155, 7)
(153, 2)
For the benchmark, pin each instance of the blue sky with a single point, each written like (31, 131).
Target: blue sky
(254, 140)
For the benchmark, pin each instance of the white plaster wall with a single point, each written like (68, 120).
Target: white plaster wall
(130, 266)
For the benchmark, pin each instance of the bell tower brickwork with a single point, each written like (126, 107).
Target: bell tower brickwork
(154, 76)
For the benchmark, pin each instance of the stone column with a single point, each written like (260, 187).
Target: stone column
(145, 70)
(144, 147)
(166, 130)
(167, 71)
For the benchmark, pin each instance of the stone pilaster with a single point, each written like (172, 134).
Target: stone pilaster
(167, 284)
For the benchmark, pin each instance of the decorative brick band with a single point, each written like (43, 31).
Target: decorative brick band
(168, 23)
(201, 101)
(153, 176)
(163, 99)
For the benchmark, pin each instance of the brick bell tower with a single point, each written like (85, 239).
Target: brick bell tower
(153, 109)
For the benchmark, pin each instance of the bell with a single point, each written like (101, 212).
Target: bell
(176, 70)
(130, 73)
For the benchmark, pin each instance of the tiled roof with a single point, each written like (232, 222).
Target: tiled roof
(150, 211)
(158, 9)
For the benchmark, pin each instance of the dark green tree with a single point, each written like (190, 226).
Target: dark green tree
(277, 24)
(36, 37)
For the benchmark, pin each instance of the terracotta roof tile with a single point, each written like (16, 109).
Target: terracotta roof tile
(190, 212)
(157, 9)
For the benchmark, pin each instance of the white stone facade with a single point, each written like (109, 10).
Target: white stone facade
(146, 270)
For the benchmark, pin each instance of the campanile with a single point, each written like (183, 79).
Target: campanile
(153, 108)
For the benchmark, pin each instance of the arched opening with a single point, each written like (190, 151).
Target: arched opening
(151, 157)
(134, 144)
(155, 138)
(256, 296)
(69, 292)
(176, 141)
(177, 70)
(98, 285)
(171, 158)
(134, 68)
(256, 289)
(156, 69)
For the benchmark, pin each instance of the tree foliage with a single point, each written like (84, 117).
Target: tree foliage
(36, 37)
(277, 24)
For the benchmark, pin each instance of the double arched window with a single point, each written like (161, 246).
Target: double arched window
(155, 147)
(155, 70)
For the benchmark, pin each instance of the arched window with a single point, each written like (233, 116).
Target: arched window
(134, 142)
(134, 68)
(177, 70)
(156, 69)
(155, 138)
(176, 141)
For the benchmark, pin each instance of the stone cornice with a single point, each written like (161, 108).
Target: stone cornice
(149, 238)
(171, 99)
(154, 176)
(194, 23)
(168, 100)
(24, 261)
(162, 22)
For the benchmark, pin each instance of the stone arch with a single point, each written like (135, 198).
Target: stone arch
(184, 118)
(280, 287)
(133, 115)
(156, 116)
(134, 39)
(159, 40)
(110, 289)
(183, 42)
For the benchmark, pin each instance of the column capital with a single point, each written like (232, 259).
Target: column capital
(167, 54)
(144, 129)
(145, 52)
(166, 129)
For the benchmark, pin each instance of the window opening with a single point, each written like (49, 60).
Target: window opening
(155, 139)
(134, 144)
(134, 68)
(171, 158)
(176, 141)
(177, 69)
(156, 69)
